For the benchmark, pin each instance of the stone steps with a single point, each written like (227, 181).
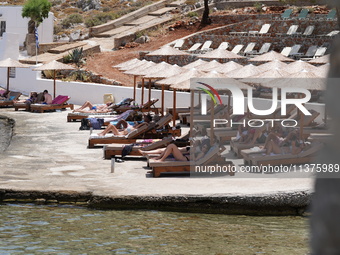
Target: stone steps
(115, 31)
(162, 11)
(141, 21)
(66, 47)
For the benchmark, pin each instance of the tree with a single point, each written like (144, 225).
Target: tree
(205, 17)
(37, 11)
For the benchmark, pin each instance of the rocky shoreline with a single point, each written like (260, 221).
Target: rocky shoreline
(6, 132)
(295, 204)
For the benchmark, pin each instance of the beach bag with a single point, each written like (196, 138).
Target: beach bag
(84, 124)
(127, 149)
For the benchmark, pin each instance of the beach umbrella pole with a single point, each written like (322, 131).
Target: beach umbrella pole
(174, 110)
(162, 108)
(142, 99)
(134, 87)
(7, 78)
(192, 112)
(54, 83)
(149, 89)
(212, 123)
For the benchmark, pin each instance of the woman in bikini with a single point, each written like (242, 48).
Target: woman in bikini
(127, 128)
(179, 153)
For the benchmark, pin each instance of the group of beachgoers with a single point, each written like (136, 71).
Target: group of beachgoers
(277, 140)
(35, 98)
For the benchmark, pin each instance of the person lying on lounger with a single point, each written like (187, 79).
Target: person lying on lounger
(279, 145)
(99, 108)
(179, 153)
(127, 129)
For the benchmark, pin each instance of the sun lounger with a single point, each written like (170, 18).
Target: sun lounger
(263, 31)
(330, 34)
(308, 31)
(144, 132)
(74, 116)
(223, 46)
(295, 50)
(12, 98)
(304, 157)
(22, 105)
(179, 43)
(303, 14)
(206, 46)
(250, 48)
(291, 31)
(331, 15)
(112, 150)
(286, 51)
(148, 106)
(264, 49)
(195, 47)
(310, 52)
(60, 102)
(286, 14)
(320, 52)
(171, 166)
(237, 48)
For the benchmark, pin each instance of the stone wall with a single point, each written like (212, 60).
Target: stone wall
(44, 47)
(126, 18)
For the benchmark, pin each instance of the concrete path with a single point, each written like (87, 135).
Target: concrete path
(49, 154)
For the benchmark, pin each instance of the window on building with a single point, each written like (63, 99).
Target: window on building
(2, 27)
(12, 72)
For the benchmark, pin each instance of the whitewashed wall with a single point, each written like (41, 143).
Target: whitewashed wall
(16, 24)
(9, 45)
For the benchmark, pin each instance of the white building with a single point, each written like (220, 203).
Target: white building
(13, 30)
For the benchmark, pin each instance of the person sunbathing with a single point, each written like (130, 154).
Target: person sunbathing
(99, 108)
(179, 153)
(127, 129)
(290, 144)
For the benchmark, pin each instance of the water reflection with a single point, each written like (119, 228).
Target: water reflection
(32, 229)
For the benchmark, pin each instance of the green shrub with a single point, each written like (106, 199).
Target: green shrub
(74, 18)
(192, 14)
(258, 6)
(101, 18)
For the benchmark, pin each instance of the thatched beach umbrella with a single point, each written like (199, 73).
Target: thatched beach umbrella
(323, 70)
(303, 79)
(167, 51)
(210, 66)
(162, 74)
(320, 60)
(139, 71)
(220, 54)
(127, 63)
(267, 76)
(179, 78)
(227, 67)
(271, 56)
(244, 72)
(275, 64)
(300, 65)
(10, 63)
(54, 66)
(194, 64)
(134, 65)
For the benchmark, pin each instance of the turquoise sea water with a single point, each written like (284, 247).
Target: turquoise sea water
(33, 229)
